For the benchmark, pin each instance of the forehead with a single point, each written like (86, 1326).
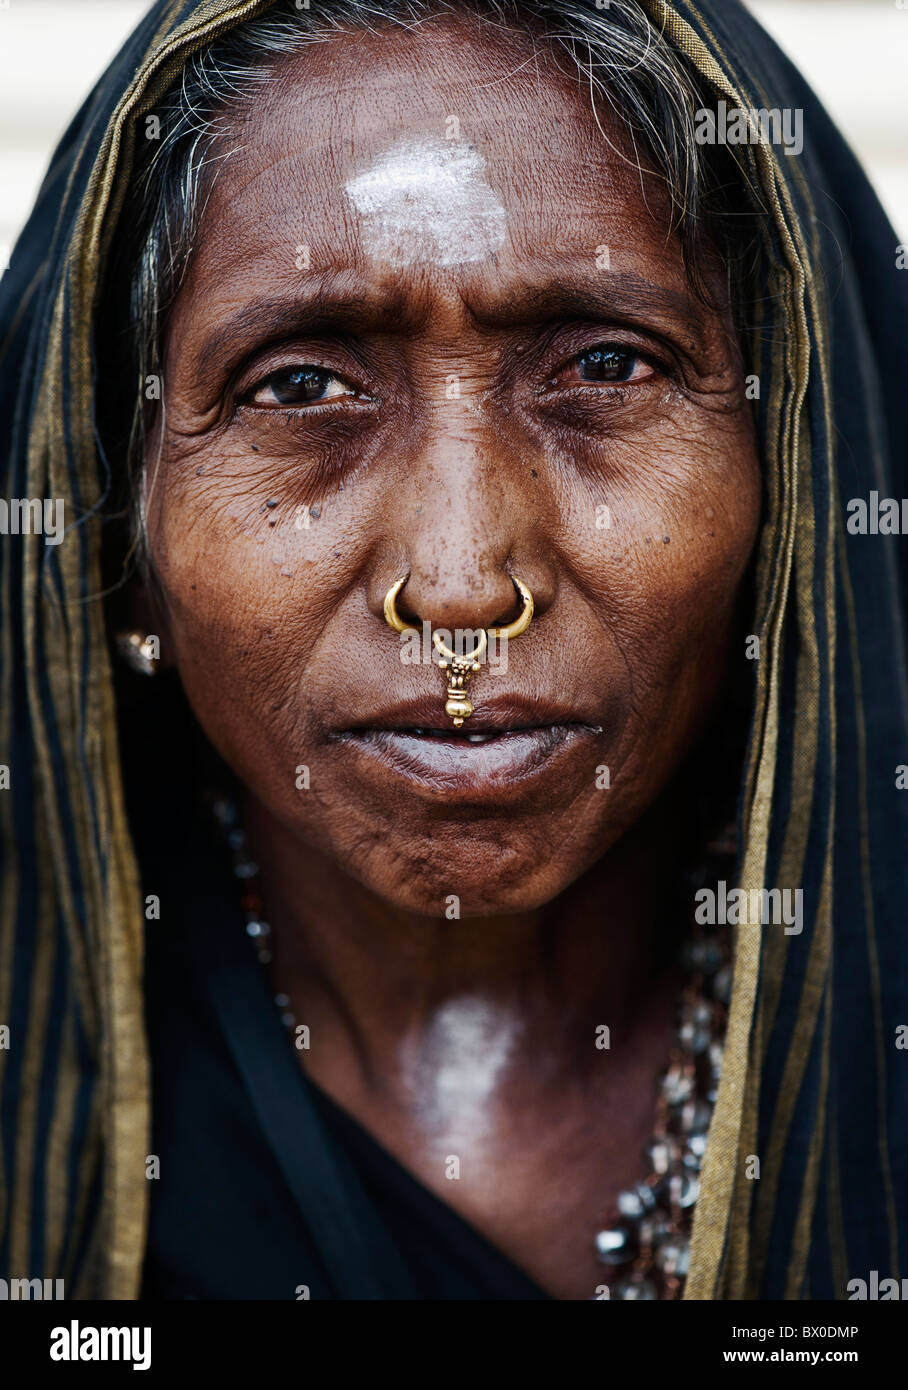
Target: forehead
(445, 146)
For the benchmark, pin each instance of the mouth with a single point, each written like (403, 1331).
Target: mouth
(474, 737)
(504, 745)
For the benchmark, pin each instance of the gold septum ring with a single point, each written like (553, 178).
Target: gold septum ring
(460, 668)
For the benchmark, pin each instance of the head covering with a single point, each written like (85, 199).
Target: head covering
(812, 1084)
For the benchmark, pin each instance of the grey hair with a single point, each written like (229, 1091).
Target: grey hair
(616, 51)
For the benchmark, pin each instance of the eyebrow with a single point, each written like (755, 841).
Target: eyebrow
(602, 294)
(341, 302)
(333, 305)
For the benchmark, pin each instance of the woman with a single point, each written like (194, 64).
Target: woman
(461, 438)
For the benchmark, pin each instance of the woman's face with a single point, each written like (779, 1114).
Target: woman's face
(435, 324)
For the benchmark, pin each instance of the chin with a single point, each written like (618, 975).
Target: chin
(460, 886)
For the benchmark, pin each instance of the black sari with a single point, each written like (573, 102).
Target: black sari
(814, 1078)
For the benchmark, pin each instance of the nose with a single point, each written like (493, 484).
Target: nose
(463, 597)
(467, 522)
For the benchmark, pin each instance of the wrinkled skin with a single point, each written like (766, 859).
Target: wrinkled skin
(276, 626)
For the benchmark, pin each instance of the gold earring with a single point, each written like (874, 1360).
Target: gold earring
(140, 651)
(457, 706)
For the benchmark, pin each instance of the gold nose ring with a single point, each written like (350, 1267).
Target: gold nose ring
(460, 668)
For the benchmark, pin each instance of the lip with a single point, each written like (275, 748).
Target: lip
(506, 714)
(527, 740)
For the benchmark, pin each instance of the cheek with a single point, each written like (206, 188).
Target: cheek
(249, 590)
(668, 569)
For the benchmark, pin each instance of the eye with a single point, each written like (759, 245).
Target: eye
(300, 385)
(605, 363)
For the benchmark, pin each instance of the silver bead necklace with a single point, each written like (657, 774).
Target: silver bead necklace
(645, 1244)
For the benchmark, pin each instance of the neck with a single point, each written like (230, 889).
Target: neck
(391, 998)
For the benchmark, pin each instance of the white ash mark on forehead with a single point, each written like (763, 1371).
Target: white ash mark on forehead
(427, 202)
